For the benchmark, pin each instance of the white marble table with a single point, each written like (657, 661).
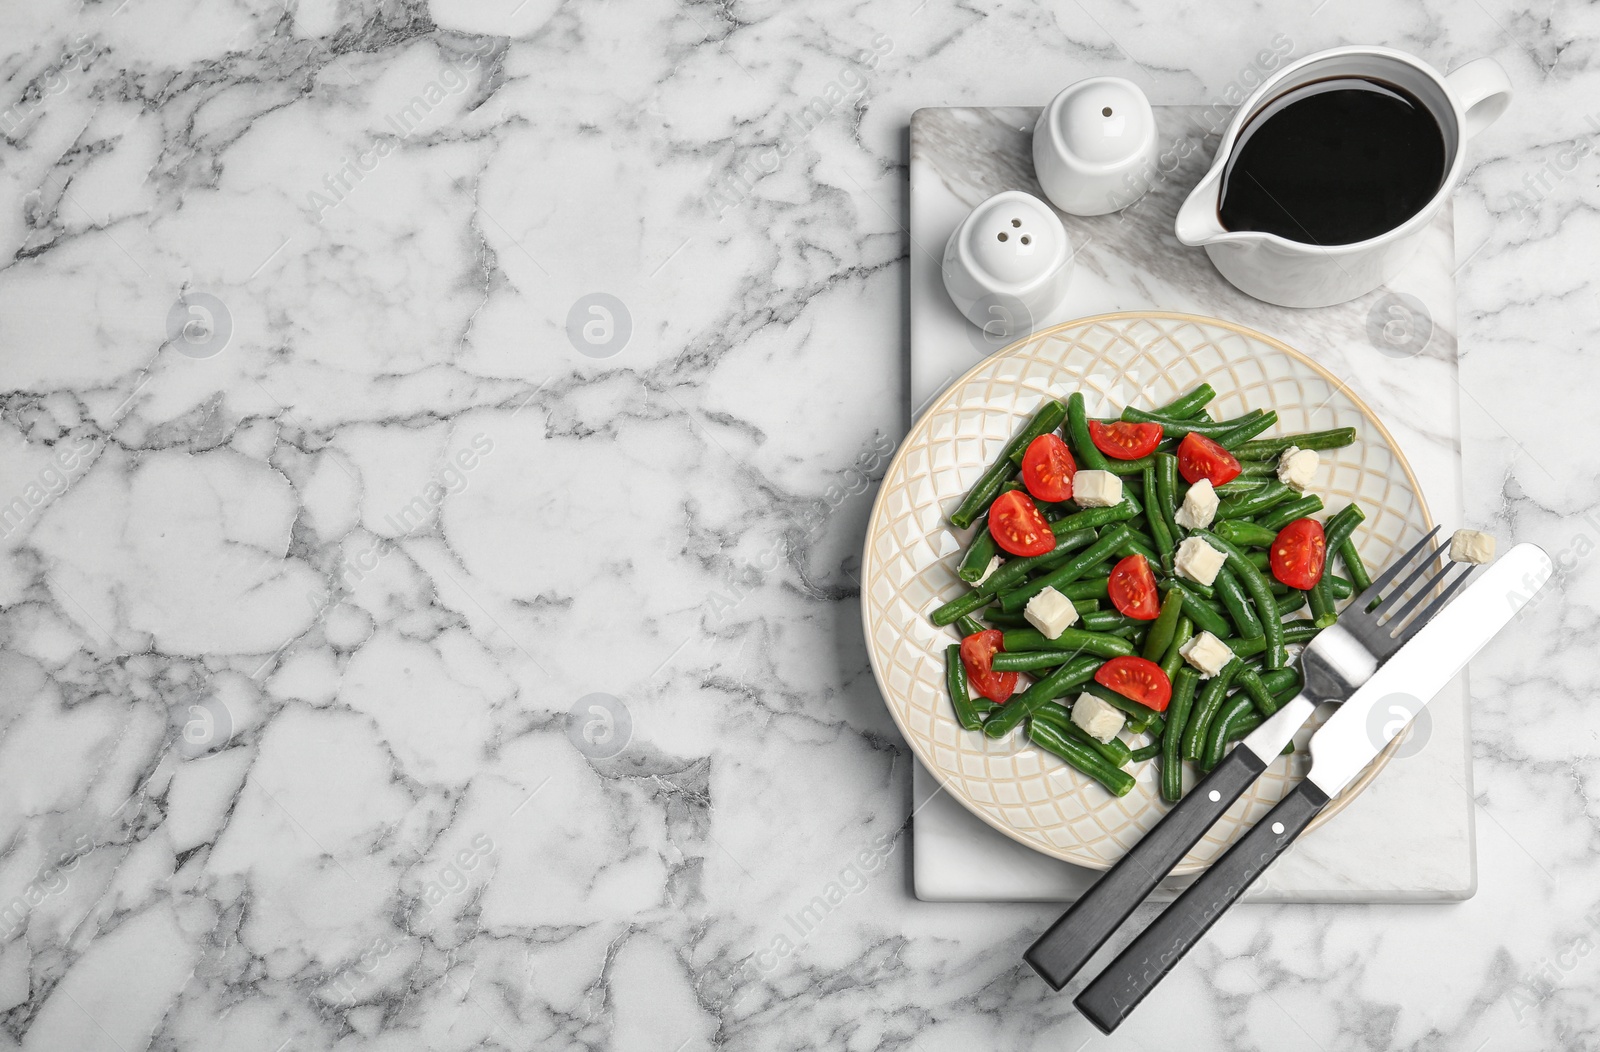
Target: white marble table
(402, 647)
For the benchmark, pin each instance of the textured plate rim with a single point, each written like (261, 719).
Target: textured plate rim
(1338, 803)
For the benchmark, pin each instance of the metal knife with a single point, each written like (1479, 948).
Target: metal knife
(1351, 738)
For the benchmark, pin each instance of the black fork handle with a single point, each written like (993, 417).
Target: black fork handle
(1083, 929)
(1115, 993)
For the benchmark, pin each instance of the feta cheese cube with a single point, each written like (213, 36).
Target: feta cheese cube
(1050, 612)
(1099, 719)
(1198, 561)
(1297, 467)
(1096, 489)
(1207, 653)
(1199, 506)
(1470, 546)
(994, 564)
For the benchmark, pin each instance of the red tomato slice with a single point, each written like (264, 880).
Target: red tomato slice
(1299, 553)
(1124, 440)
(977, 653)
(1047, 469)
(1138, 680)
(1133, 589)
(1200, 458)
(1017, 527)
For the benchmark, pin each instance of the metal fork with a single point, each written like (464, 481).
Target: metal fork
(1336, 662)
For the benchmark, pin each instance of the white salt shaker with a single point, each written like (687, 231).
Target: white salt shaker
(1008, 264)
(1094, 147)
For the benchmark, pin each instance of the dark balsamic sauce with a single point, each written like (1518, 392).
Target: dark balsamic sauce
(1334, 162)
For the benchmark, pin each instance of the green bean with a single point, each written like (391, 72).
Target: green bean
(1071, 639)
(1249, 680)
(1255, 503)
(1205, 708)
(1260, 594)
(1001, 619)
(1257, 469)
(1282, 683)
(1088, 454)
(1116, 751)
(1094, 518)
(1160, 529)
(1231, 592)
(1246, 431)
(1027, 660)
(1240, 486)
(1198, 611)
(966, 624)
(1295, 631)
(1216, 733)
(1292, 600)
(1046, 419)
(1243, 533)
(1166, 498)
(1191, 404)
(957, 608)
(1183, 685)
(1117, 782)
(1014, 570)
(1110, 540)
(1284, 514)
(1135, 545)
(1268, 448)
(979, 552)
(1095, 589)
(1138, 716)
(1172, 660)
(1164, 627)
(1108, 621)
(955, 678)
(1343, 523)
(1340, 533)
(1009, 716)
(1127, 467)
(1145, 752)
(1323, 612)
(1360, 580)
(1172, 427)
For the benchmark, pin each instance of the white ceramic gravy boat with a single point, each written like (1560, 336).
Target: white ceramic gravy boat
(1296, 274)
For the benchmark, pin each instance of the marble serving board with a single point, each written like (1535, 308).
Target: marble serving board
(1409, 836)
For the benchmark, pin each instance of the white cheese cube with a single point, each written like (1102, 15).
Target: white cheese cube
(1198, 561)
(1099, 719)
(1050, 612)
(1207, 653)
(1096, 489)
(1199, 506)
(994, 564)
(1297, 467)
(1470, 546)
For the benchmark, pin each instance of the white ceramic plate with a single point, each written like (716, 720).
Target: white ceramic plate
(1144, 358)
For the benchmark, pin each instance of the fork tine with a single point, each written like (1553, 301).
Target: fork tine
(1394, 569)
(1412, 578)
(1417, 598)
(1434, 607)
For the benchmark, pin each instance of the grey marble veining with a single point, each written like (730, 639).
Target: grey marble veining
(404, 646)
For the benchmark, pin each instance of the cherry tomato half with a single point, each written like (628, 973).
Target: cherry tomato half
(1017, 527)
(1200, 458)
(1299, 553)
(977, 654)
(1047, 469)
(1133, 589)
(1124, 440)
(1138, 680)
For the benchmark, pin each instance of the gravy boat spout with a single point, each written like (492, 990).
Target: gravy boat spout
(1199, 222)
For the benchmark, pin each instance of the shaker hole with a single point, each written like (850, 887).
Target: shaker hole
(1002, 235)
(1106, 112)
(1026, 240)
(1016, 222)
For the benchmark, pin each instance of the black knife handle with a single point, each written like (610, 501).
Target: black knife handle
(1107, 1001)
(1083, 929)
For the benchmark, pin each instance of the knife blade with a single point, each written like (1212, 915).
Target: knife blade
(1364, 725)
